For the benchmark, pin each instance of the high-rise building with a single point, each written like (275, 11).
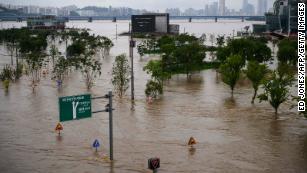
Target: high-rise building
(262, 7)
(284, 18)
(247, 8)
(221, 7)
(213, 9)
(244, 5)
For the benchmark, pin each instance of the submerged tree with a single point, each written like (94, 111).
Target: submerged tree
(277, 88)
(120, 74)
(83, 52)
(287, 51)
(54, 52)
(6, 75)
(256, 73)
(220, 40)
(153, 89)
(250, 48)
(231, 70)
(60, 69)
(34, 62)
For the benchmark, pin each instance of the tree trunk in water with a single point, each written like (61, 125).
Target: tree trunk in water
(254, 97)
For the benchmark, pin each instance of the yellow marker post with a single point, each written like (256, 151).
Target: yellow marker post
(58, 128)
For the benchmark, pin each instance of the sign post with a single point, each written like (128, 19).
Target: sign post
(110, 109)
(79, 107)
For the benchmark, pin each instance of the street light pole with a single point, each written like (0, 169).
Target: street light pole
(111, 125)
(131, 45)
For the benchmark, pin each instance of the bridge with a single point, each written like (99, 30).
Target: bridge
(115, 18)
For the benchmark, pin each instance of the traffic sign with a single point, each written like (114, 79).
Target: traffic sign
(58, 127)
(75, 107)
(96, 144)
(153, 163)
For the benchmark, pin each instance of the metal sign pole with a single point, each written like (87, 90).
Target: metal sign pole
(111, 125)
(131, 56)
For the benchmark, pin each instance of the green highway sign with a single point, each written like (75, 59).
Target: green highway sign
(75, 107)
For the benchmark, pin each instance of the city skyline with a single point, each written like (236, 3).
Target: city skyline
(156, 5)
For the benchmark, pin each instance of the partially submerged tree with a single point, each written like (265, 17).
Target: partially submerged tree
(256, 73)
(34, 61)
(84, 51)
(6, 75)
(287, 51)
(54, 52)
(60, 69)
(153, 89)
(277, 89)
(121, 75)
(231, 70)
(220, 40)
(250, 49)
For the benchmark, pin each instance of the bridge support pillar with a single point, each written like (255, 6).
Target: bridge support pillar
(114, 19)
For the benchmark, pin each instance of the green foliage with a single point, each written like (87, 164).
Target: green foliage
(90, 68)
(248, 48)
(181, 54)
(34, 61)
(32, 44)
(54, 52)
(155, 69)
(189, 58)
(120, 74)
(202, 38)
(220, 41)
(6, 75)
(147, 46)
(287, 51)
(76, 48)
(82, 52)
(256, 73)
(231, 69)
(60, 68)
(276, 89)
(153, 89)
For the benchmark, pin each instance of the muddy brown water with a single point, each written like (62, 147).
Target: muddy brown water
(232, 135)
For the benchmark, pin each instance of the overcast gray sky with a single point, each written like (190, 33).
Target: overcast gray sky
(139, 4)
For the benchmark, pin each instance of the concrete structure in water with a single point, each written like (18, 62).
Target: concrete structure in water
(153, 23)
(46, 22)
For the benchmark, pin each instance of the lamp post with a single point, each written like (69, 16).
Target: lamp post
(131, 46)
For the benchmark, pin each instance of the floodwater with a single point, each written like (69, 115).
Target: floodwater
(232, 135)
